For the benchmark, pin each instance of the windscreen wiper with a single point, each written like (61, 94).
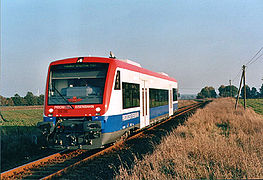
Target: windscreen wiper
(63, 97)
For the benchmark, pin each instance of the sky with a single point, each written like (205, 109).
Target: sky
(199, 43)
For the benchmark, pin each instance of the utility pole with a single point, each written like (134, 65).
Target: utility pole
(244, 83)
(239, 89)
(243, 78)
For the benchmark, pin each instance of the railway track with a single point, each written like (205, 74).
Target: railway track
(63, 162)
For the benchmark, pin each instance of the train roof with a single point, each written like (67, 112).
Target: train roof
(125, 64)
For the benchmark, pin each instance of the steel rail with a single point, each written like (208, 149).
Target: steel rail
(54, 161)
(29, 165)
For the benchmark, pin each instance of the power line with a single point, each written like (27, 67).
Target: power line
(251, 61)
(256, 59)
(254, 56)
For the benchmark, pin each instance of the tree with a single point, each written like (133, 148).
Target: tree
(6, 101)
(261, 91)
(10, 102)
(40, 100)
(221, 90)
(253, 92)
(248, 92)
(2, 101)
(18, 100)
(227, 91)
(30, 99)
(207, 92)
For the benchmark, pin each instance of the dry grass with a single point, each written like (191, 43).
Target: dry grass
(183, 102)
(216, 142)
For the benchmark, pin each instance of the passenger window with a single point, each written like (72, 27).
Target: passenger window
(130, 95)
(158, 97)
(175, 94)
(117, 81)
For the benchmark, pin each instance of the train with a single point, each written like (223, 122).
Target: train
(91, 102)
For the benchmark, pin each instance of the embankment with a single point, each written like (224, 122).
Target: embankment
(216, 142)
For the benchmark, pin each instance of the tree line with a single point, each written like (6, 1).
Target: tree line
(207, 92)
(28, 100)
(230, 91)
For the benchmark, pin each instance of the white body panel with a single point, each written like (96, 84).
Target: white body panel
(145, 81)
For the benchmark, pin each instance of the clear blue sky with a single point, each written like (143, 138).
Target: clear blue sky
(197, 42)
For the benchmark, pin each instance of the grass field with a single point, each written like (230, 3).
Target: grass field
(217, 142)
(17, 142)
(256, 104)
(22, 115)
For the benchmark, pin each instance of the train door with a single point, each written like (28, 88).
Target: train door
(170, 101)
(145, 106)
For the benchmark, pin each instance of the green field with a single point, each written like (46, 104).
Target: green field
(17, 143)
(256, 104)
(23, 117)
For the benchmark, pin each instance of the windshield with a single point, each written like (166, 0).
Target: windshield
(77, 83)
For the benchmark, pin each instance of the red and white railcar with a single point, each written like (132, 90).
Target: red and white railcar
(92, 101)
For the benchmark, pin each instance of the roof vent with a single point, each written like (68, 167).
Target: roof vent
(163, 73)
(131, 62)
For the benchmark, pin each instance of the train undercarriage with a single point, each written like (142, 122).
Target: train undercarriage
(72, 133)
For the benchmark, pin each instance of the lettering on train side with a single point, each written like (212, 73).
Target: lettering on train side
(76, 107)
(84, 106)
(127, 117)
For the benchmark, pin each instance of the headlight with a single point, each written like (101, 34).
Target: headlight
(51, 110)
(98, 109)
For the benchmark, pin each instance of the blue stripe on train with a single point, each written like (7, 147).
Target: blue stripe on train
(50, 119)
(121, 121)
(118, 122)
(158, 111)
(175, 106)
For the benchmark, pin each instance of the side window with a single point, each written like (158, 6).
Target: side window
(117, 85)
(130, 95)
(158, 97)
(174, 94)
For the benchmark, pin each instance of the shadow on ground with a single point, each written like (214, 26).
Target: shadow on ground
(18, 146)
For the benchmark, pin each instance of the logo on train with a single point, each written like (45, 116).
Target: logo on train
(127, 117)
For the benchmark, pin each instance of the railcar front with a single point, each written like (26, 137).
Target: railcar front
(77, 93)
